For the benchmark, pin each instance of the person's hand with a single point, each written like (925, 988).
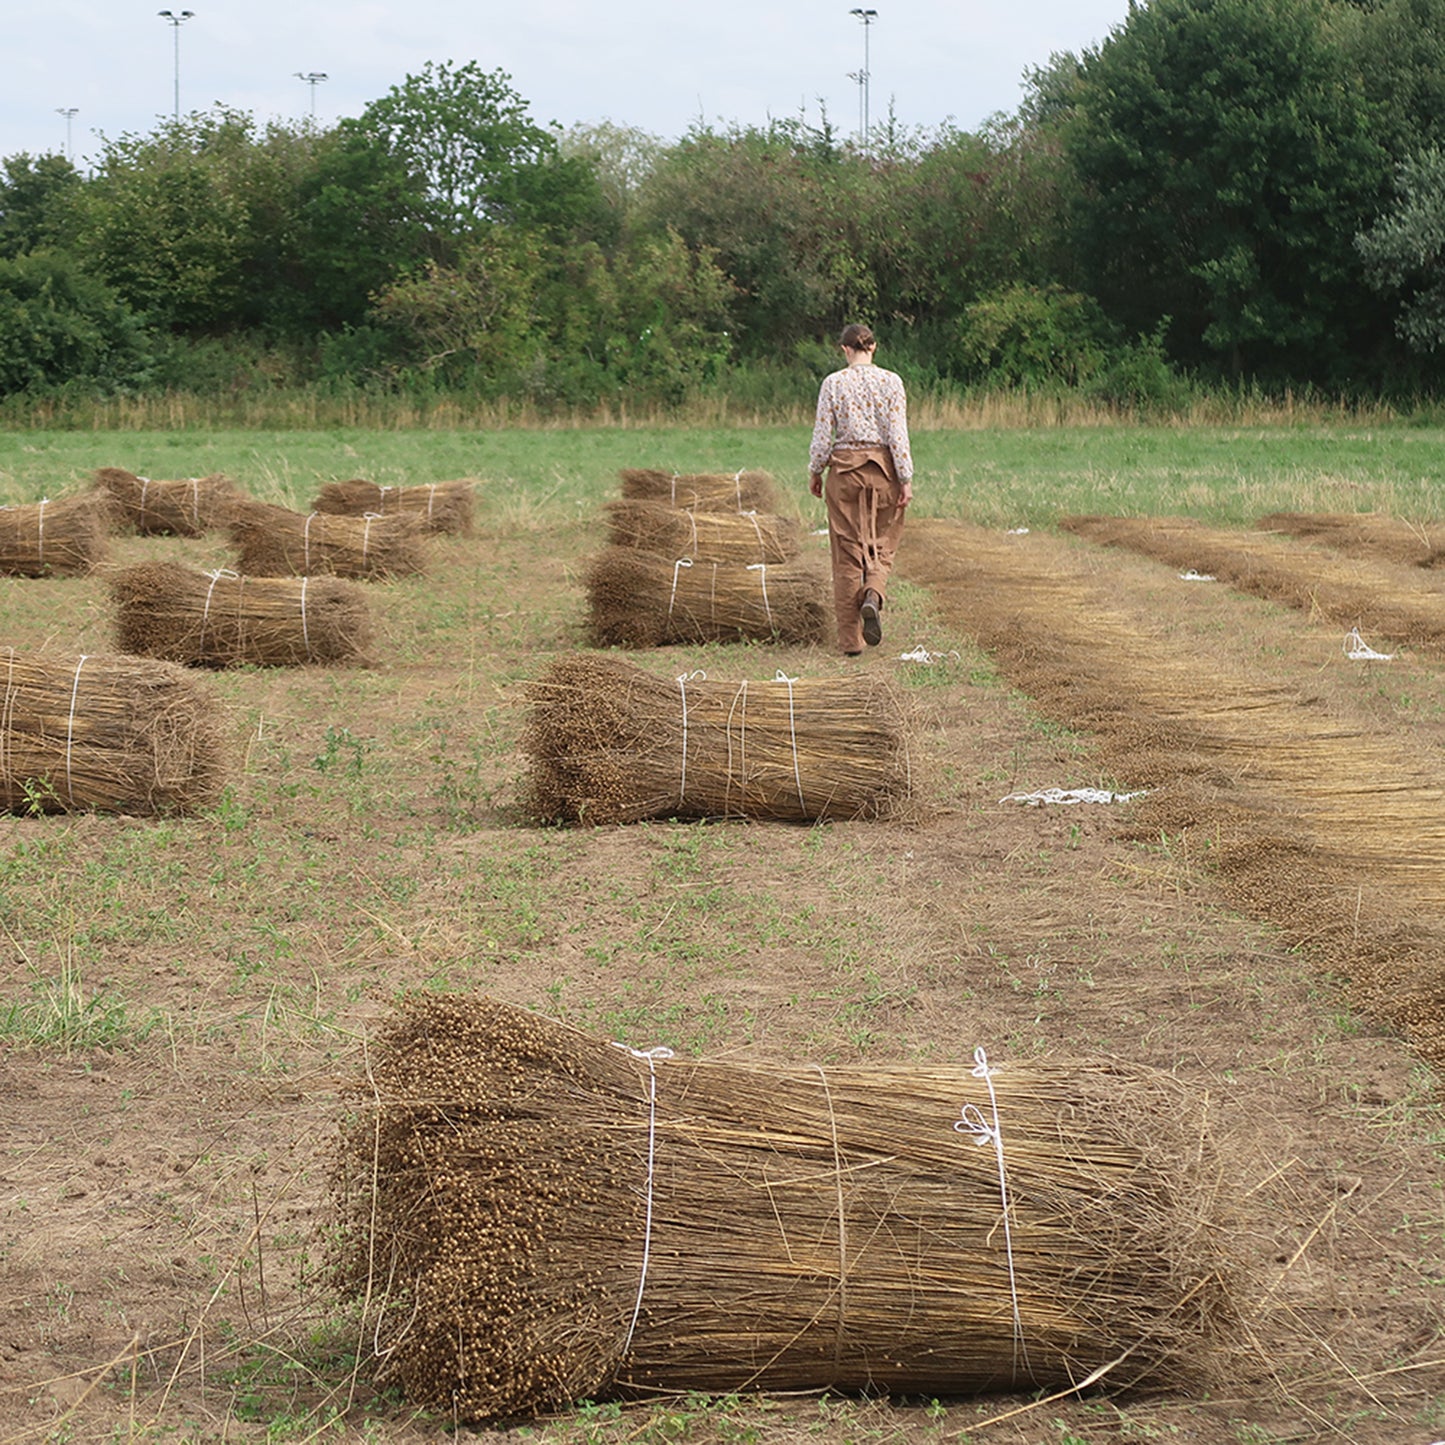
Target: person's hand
(906, 494)
(815, 484)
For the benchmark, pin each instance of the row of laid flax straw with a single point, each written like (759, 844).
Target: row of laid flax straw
(703, 557)
(356, 529)
(529, 1216)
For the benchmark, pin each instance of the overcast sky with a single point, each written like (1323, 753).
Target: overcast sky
(659, 65)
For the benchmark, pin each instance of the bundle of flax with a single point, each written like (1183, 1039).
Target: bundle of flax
(642, 599)
(54, 539)
(444, 507)
(220, 619)
(532, 1216)
(703, 491)
(114, 734)
(188, 508)
(277, 542)
(703, 536)
(611, 743)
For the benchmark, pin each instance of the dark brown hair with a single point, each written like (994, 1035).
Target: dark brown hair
(857, 337)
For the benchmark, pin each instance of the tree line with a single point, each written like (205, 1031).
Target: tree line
(1221, 193)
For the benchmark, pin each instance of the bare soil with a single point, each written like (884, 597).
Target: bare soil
(1264, 922)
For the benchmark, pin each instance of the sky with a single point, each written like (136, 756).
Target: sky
(661, 66)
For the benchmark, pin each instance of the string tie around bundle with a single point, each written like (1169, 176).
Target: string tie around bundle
(70, 726)
(215, 577)
(1358, 650)
(753, 518)
(1192, 576)
(431, 497)
(740, 700)
(145, 483)
(738, 487)
(761, 568)
(305, 631)
(40, 530)
(368, 518)
(650, 1056)
(781, 676)
(986, 1131)
(306, 543)
(680, 563)
(682, 682)
(196, 503)
(674, 489)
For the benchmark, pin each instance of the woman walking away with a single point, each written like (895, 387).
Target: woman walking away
(861, 438)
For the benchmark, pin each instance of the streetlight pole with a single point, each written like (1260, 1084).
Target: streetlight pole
(69, 112)
(175, 21)
(867, 17)
(313, 78)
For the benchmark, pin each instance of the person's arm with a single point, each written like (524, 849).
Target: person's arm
(898, 443)
(821, 448)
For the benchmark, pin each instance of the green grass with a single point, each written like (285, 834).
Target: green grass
(1026, 477)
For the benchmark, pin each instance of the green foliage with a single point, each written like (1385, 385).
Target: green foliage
(59, 326)
(1404, 252)
(1224, 162)
(468, 138)
(37, 203)
(1397, 47)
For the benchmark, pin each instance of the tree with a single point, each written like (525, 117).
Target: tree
(59, 326)
(37, 203)
(1224, 163)
(468, 138)
(1404, 251)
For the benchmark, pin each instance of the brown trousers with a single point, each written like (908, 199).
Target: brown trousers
(865, 523)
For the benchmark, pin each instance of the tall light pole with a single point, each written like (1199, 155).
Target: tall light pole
(69, 112)
(175, 19)
(867, 17)
(313, 78)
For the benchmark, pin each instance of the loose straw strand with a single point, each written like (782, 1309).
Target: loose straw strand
(781, 676)
(761, 568)
(842, 1228)
(682, 683)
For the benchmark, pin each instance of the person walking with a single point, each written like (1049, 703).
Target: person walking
(860, 438)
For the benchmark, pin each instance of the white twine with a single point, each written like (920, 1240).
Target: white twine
(145, 483)
(1072, 795)
(740, 697)
(651, 1056)
(1192, 576)
(674, 489)
(196, 502)
(70, 727)
(431, 499)
(682, 682)
(1358, 650)
(761, 568)
(923, 655)
(985, 1132)
(1017, 532)
(692, 522)
(305, 631)
(781, 676)
(7, 713)
(369, 518)
(753, 518)
(681, 562)
(206, 611)
(738, 487)
(40, 530)
(306, 542)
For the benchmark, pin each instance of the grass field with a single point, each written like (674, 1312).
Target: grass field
(181, 998)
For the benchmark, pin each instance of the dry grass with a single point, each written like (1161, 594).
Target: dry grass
(220, 619)
(535, 1216)
(741, 491)
(64, 538)
(669, 531)
(114, 734)
(440, 507)
(611, 743)
(188, 508)
(640, 599)
(276, 542)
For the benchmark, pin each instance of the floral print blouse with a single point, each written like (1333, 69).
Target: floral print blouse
(861, 406)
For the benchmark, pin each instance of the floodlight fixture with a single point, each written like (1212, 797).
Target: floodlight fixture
(175, 19)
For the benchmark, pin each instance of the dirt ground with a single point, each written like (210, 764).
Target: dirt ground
(1263, 922)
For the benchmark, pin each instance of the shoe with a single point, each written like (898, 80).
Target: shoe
(853, 654)
(872, 621)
